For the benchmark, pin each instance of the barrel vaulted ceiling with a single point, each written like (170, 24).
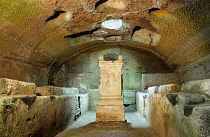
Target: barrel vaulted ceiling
(46, 32)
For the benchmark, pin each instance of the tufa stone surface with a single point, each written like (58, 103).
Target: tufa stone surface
(197, 86)
(183, 120)
(149, 80)
(14, 69)
(146, 36)
(176, 115)
(14, 87)
(45, 116)
(52, 90)
(142, 104)
(195, 71)
(39, 40)
(152, 90)
(170, 88)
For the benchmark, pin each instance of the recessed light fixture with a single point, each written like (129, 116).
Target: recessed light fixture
(112, 24)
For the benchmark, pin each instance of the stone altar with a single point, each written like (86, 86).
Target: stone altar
(110, 105)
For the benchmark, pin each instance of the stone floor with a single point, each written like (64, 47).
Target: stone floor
(85, 126)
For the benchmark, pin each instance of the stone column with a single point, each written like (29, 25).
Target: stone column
(110, 106)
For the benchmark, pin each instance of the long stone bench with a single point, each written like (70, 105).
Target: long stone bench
(178, 114)
(198, 86)
(52, 90)
(35, 115)
(142, 98)
(15, 87)
(23, 112)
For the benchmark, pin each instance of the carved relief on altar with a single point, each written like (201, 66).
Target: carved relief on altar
(110, 77)
(109, 83)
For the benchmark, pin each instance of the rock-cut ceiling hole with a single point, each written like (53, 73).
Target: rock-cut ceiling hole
(153, 9)
(136, 28)
(100, 2)
(81, 34)
(112, 24)
(55, 15)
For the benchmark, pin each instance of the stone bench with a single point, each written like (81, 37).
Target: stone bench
(152, 90)
(180, 115)
(142, 103)
(52, 90)
(36, 115)
(164, 89)
(197, 86)
(175, 110)
(14, 87)
(169, 88)
(24, 113)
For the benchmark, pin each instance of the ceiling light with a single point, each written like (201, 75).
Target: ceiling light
(112, 24)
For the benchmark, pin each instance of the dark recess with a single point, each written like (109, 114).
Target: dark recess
(52, 97)
(188, 110)
(111, 57)
(100, 2)
(28, 119)
(136, 28)
(126, 105)
(55, 15)
(81, 34)
(153, 9)
(172, 98)
(29, 101)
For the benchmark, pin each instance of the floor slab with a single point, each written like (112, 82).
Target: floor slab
(85, 126)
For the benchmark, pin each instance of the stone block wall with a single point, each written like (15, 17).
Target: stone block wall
(198, 86)
(129, 100)
(177, 114)
(94, 95)
(25, 113)
(196, 71)
(14, 69)
(157, 79)
(83, 71)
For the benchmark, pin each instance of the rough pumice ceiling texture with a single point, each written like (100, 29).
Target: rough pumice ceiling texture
(43, 32)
